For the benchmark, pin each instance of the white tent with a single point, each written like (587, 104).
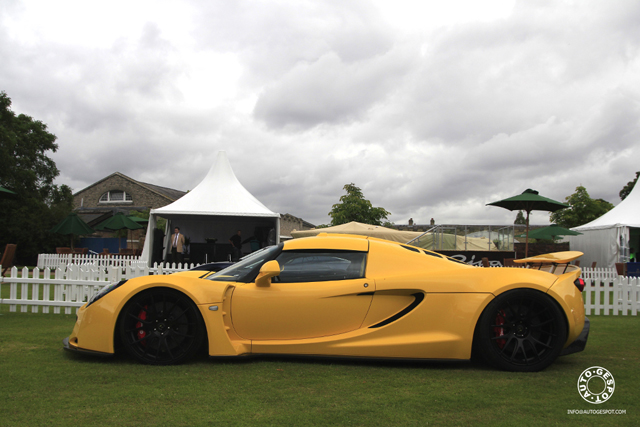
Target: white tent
(606, 240)
(215, 209)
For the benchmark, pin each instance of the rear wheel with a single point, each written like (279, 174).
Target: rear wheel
(161, 326)
(521, 330)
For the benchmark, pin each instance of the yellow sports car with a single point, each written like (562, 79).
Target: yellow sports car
(347, 296)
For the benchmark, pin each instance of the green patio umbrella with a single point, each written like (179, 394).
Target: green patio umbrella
(529, 201)
(72, 225)
(552, 231)
(119, 222)
(139, 220)
(4, 192)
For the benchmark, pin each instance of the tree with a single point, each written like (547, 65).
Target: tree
(39, 204)
(583, 209)
(520, 219)
(626, 190)
(354, 207)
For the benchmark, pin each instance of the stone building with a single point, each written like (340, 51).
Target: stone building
(288, 223)
(119, 193)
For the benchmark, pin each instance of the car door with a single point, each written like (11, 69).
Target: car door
(318, 293)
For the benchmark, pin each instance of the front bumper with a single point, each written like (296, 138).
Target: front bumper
(581, 342)
(75, 349)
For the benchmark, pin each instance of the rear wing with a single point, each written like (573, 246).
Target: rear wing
(555, 263)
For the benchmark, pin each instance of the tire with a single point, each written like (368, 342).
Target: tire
(161, 326)
(522, 330)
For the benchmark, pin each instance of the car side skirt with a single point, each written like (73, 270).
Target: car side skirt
(441, 327)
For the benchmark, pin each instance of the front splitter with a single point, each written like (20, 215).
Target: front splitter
(77, 350)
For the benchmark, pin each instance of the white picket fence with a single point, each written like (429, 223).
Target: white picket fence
(70, 287)
(170, 268)
(59, 288)
(599, 273)
(54, 261)
(617, 296)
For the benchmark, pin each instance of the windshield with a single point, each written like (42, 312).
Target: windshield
(247, 268)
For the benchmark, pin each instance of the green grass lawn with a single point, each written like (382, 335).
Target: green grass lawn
(40, 384)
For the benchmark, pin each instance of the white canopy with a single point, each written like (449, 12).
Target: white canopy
(219, 193)
(626, 214)
(215, 209)
(606, 240)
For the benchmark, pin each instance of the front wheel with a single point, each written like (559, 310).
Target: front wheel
(161, 326)
(521, 330)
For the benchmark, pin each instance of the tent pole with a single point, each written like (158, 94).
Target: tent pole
(526, 244)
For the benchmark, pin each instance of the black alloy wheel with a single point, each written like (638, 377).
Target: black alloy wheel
(161, 326)
(522, 330)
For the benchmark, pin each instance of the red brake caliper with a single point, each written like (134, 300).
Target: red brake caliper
(141, 333)
(499, 330)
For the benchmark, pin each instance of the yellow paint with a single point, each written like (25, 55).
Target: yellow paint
(570, 299)
(336, 317)
(333, 241)
(95, 327)
(440, 328)
(556, 257)
(223, 341)
(300, 310)
(385, 304)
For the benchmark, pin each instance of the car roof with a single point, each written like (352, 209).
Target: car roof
(346, 242)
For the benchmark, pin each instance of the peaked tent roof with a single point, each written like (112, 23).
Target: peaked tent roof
(219, 193)
(626, 214)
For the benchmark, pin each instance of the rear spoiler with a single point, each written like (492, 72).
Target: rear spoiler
(555, 259)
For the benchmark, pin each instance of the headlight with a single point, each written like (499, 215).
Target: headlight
(105, 291)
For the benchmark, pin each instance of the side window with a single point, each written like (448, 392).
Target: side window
(318, 266)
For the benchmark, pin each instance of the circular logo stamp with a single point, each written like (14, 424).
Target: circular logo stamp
(596, 385)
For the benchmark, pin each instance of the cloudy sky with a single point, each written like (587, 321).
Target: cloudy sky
(432, 108)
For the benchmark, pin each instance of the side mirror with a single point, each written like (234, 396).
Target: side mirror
(267, 271)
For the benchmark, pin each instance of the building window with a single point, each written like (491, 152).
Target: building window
(116, 196)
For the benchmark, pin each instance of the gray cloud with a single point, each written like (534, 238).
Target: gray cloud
(328, 91)
(431, 123)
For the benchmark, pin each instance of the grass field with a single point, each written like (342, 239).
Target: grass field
(43, 385)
